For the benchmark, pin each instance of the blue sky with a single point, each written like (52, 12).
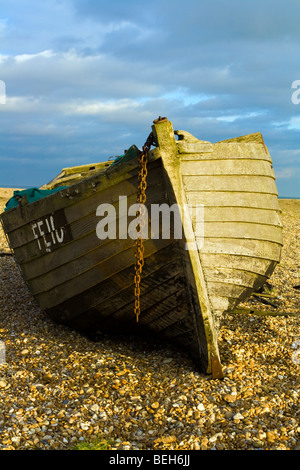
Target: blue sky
(85, 79)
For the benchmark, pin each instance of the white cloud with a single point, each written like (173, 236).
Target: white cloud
(95, 107)
(235, 117)
(294, 123)
(184, 95)
(22, 104)
(24, 57)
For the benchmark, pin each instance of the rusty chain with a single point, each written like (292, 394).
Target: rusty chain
(141, 199)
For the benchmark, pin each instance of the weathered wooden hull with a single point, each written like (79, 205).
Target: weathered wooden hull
(87, 283)
(235, 182)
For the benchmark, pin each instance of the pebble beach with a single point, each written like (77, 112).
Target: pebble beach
(60, 390)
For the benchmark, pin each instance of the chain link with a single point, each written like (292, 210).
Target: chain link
(141, 199)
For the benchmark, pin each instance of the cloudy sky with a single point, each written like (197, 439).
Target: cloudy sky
(84, 79)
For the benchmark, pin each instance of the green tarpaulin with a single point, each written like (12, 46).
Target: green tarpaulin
(132, 152)
(33, 194)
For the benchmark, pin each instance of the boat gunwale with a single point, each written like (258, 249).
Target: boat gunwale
(81, 190)
(81, 217)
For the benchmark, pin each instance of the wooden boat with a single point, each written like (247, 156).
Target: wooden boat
(87, 283)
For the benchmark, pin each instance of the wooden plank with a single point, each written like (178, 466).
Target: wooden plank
(251, 150)
(194, 147)
(260, 184)
(120, 302)
(227, 167)
(242, 230)
(95, 275)
(107, 316)
(243, 247)
(255, 137)
(39, 264)
(182, 331)
(233, 199)
(177, 310)
(200, 312)
(224, 151)
(81, 230)
(249, 264)
(154, 302)
(221, 303)
(175, 295)
(241, 214)
(67, 271)
(264, 300)
(74, 258)
(71, 175)
(85, 229)
(224, 296)
(124, 187)
(222, 289)
(229, 276)
(118, 290)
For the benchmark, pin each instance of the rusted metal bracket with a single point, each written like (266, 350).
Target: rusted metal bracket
(159, 119)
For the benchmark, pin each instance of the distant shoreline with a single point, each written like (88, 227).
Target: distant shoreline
(285, 197)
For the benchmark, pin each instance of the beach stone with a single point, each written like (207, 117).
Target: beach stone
(297, 446)
(258, 443)
(201, 407)
(238, 416)
(155, 405)
(215, 437)
(271, 436)
(204, 443)
(95, 408)
(230, 398)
